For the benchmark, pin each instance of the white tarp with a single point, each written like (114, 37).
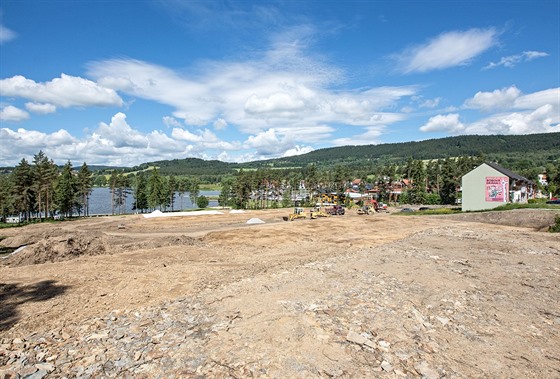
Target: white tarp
(158, 213)
(255, 221)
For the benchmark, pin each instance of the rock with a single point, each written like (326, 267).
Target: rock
(386, 366)
(426, 371)
(359, 339)
(45, 367)
(38, 375)
(384, 344)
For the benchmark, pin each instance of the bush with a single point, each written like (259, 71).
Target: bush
(432, 199)
(537, 201)
(202, 201)
(556, 227)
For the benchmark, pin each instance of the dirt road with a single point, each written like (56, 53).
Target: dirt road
(460, 296)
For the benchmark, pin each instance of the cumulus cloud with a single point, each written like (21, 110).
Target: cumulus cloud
(66, 91)
(40, 108)
(115, 142)
(538, 112)
(11, 113)
(297, 150)
(513, 60)
(6, 34)
(498, 99)
(25, 143)
(449, 49)
(272, 142)
(371, 136)
(220, 124)
(283, 89)
(444, 123)
(171, 122)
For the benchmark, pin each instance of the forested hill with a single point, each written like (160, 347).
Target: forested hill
(498, 147)
(511, 151)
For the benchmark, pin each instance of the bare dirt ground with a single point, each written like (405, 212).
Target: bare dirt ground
(459, 296)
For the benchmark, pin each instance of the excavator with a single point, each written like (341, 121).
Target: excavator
(370, 207)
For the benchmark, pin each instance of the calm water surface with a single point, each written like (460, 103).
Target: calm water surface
(100, 201)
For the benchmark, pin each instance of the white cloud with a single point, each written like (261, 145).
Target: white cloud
(297, 150)
(120, 133)
(66, 91)
(449, 49)
(512, 98)
(171, 122)
(40, 108)
(282, 89)
(370, 137)
(430, 103)
(25, 143)
(498, 99)
(11, 113)
(115, 143)
(544, 119)
(444, 123)
(538, 112)
(220, 124)
(272, 143)
(280, 103)
(535, 100)
(6, 34)
(514, 60)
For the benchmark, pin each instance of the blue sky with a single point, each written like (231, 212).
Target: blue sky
(129, 81)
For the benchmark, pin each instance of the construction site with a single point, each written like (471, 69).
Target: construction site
(212, 295)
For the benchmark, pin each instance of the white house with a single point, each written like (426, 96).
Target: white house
(491, 185)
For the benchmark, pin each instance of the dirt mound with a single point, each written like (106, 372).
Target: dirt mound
(537, 219)
(60, 248)
(157, 242)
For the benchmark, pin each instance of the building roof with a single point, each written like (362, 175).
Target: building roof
(508, 173)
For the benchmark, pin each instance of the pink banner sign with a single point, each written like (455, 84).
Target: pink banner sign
(497, 188)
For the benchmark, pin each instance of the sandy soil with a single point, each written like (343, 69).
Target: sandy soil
(474, 295)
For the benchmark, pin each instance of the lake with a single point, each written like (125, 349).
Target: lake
(100, 201)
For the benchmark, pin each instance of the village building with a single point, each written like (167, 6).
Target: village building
(491, 185)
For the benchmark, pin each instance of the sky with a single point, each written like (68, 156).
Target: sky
(123, 82)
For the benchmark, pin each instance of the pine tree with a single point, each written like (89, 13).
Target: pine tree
(41, 181)
(66, 191)
(6, 197)
(22, 188)
(194, 191)
(156, 194)
(113, 186)
(84, 186)
(171, 188)
(140, 192)
(182, 186)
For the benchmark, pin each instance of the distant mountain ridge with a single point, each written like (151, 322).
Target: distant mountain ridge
(538, 148)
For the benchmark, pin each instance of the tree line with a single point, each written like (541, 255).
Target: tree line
(431, 182)
(435, 181)
(40, 189)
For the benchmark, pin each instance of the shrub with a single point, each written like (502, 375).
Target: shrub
(556, 227)
(202, 201)
(432, 199)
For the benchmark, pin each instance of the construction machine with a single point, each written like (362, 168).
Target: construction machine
(318, 212)
(335, 210)
(298, 213)
(365, 210)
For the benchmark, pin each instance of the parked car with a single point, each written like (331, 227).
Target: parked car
(407, 210)
(556, 201)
